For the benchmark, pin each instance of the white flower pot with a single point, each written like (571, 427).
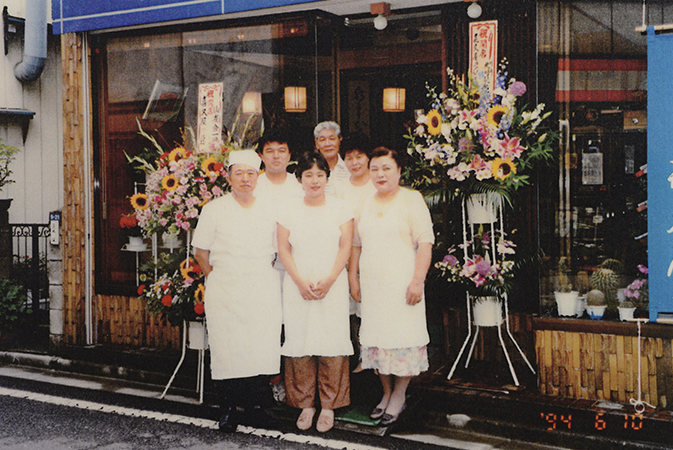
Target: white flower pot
(136, 242)
(581, 305)
(566, 303)
(626, 313)
(170, 241)
(483, 208)
(487, 311)
(196, 335)
(596, 312)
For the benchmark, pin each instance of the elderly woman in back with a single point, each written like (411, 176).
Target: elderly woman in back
(392, 249)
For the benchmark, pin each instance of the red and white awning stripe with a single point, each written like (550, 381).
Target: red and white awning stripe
(601, 80)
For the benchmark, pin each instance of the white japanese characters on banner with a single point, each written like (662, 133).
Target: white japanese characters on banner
(209, 130)
(484, 52)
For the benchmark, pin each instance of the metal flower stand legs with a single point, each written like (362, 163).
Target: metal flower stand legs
(496, 321)
(198, 341)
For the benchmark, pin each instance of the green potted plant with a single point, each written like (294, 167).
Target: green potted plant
(606, 281)
(566, 298)
(596, 304)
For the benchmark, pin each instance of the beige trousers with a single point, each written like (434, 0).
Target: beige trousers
(330, 373)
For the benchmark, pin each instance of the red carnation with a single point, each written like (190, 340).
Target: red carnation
(199, 309)
(167, 300)
(141, 289)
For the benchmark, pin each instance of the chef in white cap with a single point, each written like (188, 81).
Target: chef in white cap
(233, 243)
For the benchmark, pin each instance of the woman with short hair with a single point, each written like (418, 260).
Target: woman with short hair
(392, 249)
(314, 242)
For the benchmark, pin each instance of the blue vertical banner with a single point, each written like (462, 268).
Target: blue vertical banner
(660, 171)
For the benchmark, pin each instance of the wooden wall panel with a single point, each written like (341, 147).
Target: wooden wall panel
(73, 215)
(603, 366)
(124, 321)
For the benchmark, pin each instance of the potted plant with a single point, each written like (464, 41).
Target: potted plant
(606, 281)
(566, 298)
(130, 227)
(626, 310)
(596, 304)
(637, 292)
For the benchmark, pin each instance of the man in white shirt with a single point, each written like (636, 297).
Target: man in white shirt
(274, 149)
(327, 137)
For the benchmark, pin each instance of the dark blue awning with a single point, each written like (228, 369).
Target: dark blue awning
(83, 15)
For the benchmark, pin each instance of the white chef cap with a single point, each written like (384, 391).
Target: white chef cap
(247, 157)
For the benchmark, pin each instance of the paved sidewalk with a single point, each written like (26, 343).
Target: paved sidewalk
(496, 412)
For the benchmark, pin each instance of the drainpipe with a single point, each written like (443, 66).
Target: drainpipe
(35, 42)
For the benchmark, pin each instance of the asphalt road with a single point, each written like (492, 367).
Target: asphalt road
(36, 415)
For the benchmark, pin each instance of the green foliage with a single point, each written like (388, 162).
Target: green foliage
(12, 304)
(7, 153)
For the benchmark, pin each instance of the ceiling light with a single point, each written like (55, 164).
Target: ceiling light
(474, 10)
(380, 22)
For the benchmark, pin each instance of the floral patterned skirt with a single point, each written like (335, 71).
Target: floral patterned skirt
(402, 362)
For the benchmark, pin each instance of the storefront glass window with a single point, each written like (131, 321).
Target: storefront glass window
(593, 68)
(151, 82)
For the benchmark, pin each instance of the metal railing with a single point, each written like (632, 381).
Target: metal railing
(29, 262)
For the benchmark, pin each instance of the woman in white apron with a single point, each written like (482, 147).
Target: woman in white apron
(392, 249)
(234, 244)
(314, 241)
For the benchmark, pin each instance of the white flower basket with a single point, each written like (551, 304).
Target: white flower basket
(566, 303)
(197, 338)
(487, 311)
(483, 208)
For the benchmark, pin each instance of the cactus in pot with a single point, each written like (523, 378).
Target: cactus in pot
(566, 298)
(562, 281)
(606, 281)
(596, 304)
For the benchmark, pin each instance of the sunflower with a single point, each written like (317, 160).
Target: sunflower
(191, 271)
(177, 154)
(139, 201)
(169, 182)
(495, 114)
(434, 123)
(200, 293)
(210, 166)
(502, 168)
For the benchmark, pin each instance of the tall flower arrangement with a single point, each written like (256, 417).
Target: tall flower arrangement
(472, 140)
(178, 183)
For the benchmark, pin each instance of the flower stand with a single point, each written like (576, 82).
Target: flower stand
(485, 311)
(472, 318)
(198, 340)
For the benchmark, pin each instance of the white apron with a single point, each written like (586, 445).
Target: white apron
(387, 263)
(242, 301)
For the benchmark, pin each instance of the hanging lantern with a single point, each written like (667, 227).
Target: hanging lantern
(252, 103)
(394, 99)
(295, 99)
